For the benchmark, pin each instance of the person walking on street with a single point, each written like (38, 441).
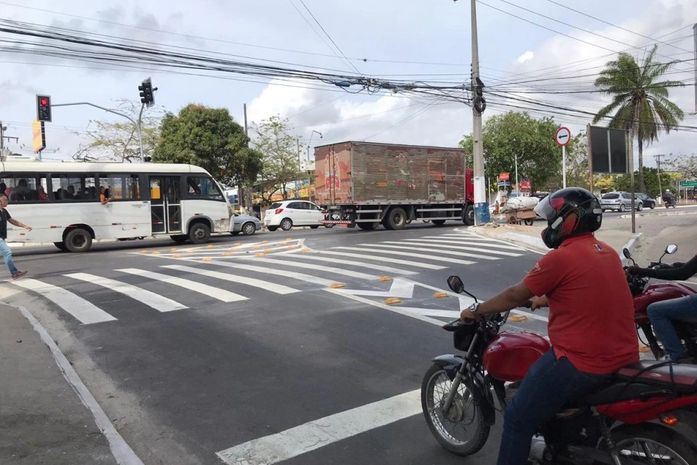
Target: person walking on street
(5, 217)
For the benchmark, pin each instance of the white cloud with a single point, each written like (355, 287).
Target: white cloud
(527, 56)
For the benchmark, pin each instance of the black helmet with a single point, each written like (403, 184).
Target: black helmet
(569, 212)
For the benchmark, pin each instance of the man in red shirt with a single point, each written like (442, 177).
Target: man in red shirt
(591, 324)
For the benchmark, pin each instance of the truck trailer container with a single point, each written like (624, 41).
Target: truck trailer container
(367, 184)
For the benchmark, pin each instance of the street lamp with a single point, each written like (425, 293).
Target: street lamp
(310, 142)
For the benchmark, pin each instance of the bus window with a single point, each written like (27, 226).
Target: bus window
(155, 192)
(72, 187)
(203, 187)
(20, 188)
(131, 187)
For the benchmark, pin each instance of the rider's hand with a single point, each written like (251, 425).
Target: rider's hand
(468, 314)
(538, 302)
(632, 270)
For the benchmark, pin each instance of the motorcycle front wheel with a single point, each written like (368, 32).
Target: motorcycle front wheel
(461, 430)
(651, 445)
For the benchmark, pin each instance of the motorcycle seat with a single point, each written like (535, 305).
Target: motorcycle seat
(623, 390)
(679, 377)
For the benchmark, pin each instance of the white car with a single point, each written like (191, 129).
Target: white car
(291, 213)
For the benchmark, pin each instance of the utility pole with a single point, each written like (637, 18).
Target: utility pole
(481, 207)
(694, 33)
(658, 166)
(517, 186)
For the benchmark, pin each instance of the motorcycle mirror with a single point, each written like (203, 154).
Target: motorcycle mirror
(456, 284)
(626, 253)
(671, 249)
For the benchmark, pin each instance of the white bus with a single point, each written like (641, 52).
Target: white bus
(61, 202)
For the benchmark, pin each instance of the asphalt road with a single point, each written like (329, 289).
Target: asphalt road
(198, 350)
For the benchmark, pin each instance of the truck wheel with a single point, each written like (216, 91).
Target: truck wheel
(78, 240)
(396, 218)
(368, 226)
(468, 217)
(438, 222)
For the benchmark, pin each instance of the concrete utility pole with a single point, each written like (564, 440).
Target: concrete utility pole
(694, 33)
(658, 168)
(481, 207)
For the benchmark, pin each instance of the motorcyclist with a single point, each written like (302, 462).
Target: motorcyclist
(668, 197)
(663, 313)
(591, 322)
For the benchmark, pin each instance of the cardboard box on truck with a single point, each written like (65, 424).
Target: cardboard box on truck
(373, 173)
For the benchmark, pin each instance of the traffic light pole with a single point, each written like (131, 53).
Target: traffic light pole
(137, 123)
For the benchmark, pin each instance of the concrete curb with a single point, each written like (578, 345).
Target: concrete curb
(631, 243)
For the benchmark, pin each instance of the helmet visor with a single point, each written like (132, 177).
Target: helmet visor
(548, 208)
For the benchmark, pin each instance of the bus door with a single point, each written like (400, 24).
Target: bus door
(165, 204)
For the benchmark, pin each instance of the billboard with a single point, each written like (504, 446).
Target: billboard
(608, 150)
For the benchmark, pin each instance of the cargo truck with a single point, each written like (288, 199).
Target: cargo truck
(369, 184)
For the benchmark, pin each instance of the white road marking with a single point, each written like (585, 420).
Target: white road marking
(260, 283)
(312, 266)
(84, 311)
(265, 270)
(396, 261)
(401, 288)
(324, 431)
(429, 250)
(472, 237)
(464, 242)
(215, 292)
(156, 301)
(387, 269)
(407, 254)
(232, 253)
(460, 247)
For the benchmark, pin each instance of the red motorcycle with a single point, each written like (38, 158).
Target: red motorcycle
(648, 415)
(645, 294)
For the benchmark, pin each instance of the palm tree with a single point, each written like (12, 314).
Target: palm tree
(640, 104)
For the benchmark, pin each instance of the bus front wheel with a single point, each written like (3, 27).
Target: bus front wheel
(199, 233)
(78, 240)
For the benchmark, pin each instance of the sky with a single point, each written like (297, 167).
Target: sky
(524, 47)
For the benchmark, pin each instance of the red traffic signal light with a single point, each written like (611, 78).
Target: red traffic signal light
(146, 93)
(43, 108)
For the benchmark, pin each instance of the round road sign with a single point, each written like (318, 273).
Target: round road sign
(562, 136)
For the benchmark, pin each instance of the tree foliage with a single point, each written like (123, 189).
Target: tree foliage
(532, 140)
(685, 165)
(640, 101)
(653, 187)
(118, 140)
(210, 138)
(280, 154)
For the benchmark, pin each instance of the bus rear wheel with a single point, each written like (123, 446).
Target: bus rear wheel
(78, 240)
(199, 233)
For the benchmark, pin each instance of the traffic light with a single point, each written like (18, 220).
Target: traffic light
(478, 101)
(43, 108)
(146, 93)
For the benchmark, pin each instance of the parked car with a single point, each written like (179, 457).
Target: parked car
(291, 213)
(244, 224)
(620, 201)
(646, 200)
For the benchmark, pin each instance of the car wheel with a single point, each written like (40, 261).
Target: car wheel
(248, 228)
(639, 207)
(621, 207)
(234, 233)
(314, 226)
(652, 206)
(272, 228)
(286, 224)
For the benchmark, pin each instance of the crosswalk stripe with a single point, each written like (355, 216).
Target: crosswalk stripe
(284, 273)
(156, 301)
(409, 254)
(387, 269)
(215, 292)
(312, 266)
(469, 237)
(461, 247)
(431, 249)
(83, 311)
(260, 283)
(396, 261)
(242, 252)
(465, 242)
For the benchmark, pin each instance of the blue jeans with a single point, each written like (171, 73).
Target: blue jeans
(548, 386)
(661, 315)
(7, 255)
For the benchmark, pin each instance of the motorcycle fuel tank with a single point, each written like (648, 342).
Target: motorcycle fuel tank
(510, 355)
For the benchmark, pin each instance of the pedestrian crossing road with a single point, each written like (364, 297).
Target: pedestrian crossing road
(181, 278)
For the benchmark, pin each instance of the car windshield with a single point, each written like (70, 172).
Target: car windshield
(613, 195)
(275, 205)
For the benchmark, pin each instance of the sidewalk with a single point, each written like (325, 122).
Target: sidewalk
(529, 236)
(42, 420)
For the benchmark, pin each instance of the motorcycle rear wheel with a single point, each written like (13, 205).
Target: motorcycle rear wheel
(461, 430)
(650, 444)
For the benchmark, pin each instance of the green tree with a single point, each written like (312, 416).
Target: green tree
(532, 140)
(685, 165)
(280, 152)
(653, 187)
(118, 140)
(208, 137)
(640, 102)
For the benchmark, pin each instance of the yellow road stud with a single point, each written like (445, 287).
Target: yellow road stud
(393, 301)
(518, 318)
(385, 278)
(440, 295)
(337, 285)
